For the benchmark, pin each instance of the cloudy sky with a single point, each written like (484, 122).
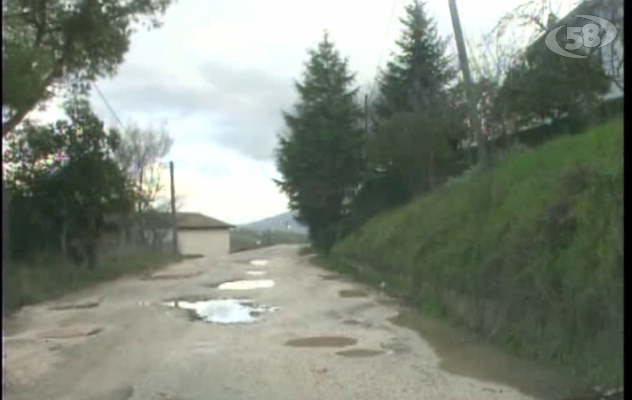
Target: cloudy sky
(219, 72)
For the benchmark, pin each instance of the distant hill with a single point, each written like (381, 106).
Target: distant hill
(285, 222)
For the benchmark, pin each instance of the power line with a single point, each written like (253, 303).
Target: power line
(388, 28)
(107, 104)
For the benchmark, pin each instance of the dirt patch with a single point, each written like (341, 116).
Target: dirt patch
(72, 332)
(359, 353)
(322, 341)
(352, 293)
(462, 354)
(170, 276)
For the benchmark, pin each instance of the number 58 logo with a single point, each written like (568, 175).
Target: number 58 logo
(585, 36)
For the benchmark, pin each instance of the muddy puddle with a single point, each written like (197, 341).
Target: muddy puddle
(322, 341)
(359, 353)
(352, 293)
(223, 311)
(462, 354)
(246, 284)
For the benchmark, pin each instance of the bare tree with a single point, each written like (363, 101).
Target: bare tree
(139, 154)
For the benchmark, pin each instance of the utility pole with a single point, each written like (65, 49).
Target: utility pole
(366, 114)
(475, 122)
(174, 225)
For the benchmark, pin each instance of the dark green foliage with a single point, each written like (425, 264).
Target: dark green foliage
(420, 117)
(420, 71)
(543, 85)
(320, 158)
(64, 182)
(56, 41)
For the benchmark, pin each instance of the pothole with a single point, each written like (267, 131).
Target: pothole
(72, 332)
(352, 293)
(355, 322)
(329, 277)
(322, 341)
(256, 273)
(359, 353)
(76, 306)
(259, 263)
(246, 285)
(223, 311)
(170, 276)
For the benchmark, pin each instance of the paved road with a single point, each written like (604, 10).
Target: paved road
(121, 342)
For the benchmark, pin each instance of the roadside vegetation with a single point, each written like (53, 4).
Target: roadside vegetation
(529, 255)
(78, 197)
(524, 248)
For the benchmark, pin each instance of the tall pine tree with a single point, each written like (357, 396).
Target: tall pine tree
(417, 76)
(320, 157)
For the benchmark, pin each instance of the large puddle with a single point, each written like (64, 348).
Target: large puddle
(246, 285)
(224, 311)
(464, 355)
(322, 341)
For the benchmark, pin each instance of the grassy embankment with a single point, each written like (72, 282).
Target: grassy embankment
(49, 278)
(529, 255)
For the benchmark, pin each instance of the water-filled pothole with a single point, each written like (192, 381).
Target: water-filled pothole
(322, 341)
(358, 353)
(170, 276)
(223, 311)
(256, 273)
(259, 263)
(352, 293)
(246, 285)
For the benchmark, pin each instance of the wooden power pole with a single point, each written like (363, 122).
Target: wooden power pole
(475, 121)
(174, 224)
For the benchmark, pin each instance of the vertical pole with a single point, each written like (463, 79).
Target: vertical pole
(174, 226)
(475, 122)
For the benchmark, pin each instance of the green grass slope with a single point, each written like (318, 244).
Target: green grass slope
(529, 254)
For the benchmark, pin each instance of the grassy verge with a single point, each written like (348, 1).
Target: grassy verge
(50, 277)
(529, 255)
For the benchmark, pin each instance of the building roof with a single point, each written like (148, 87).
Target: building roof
(194, 220)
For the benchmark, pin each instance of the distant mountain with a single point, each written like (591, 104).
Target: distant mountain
(283, 222)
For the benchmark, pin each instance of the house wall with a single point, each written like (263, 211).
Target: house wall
(208, 242)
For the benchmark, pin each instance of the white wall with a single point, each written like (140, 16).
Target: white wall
(210, 243)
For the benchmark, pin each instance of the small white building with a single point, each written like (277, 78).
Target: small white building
(199, 234)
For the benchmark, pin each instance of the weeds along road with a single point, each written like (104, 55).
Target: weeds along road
(305, 335)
